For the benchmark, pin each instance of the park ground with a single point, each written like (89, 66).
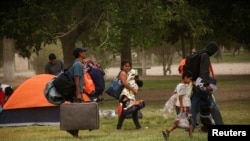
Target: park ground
(232, 95)
(219, 69)
(223, 71)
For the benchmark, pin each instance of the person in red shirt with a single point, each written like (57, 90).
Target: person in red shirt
(2, 98)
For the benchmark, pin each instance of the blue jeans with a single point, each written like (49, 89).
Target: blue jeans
(195, 106)
(199, 98)
(215, 112)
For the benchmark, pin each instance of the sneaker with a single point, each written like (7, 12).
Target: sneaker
(165, 134)
(96, 99)
(99, 99)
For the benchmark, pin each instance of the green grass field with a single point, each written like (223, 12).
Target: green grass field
(232, 97)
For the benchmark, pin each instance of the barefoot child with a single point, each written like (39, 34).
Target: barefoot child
(182, 104)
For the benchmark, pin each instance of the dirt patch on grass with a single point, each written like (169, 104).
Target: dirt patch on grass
(236, 92)
(161, 95)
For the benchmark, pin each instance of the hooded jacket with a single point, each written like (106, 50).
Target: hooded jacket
(210, 49)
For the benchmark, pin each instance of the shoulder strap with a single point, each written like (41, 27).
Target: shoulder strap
(119, 74)
(211, 70)
(68, 67)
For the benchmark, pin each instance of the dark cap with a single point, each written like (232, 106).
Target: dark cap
(78, 50)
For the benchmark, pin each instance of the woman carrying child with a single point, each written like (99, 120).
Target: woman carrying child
(127, 97)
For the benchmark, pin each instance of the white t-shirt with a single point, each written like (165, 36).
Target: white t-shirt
(181, 89)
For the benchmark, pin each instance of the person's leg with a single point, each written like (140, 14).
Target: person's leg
(74, 133)
(190, 131)
(170, 129)
(189, 117)
(205, 117)
(205, 113)
(195, 101)
(136, 120)
(120, 121)
(216, 115)
(166, 132)
(215, 112)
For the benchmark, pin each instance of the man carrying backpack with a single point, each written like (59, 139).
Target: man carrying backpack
(202, 98)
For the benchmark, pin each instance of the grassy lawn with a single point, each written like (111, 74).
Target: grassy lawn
(232, 97)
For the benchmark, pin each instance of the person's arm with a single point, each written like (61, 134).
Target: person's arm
(77, 83)
(46, 69)
(204, 69)
(181, 103)
(123, 78)
(62, 66)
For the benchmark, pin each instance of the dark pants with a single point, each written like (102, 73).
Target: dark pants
(215, 112)
(133, 111)
(201, 102)
(134, 117)
(195, 106)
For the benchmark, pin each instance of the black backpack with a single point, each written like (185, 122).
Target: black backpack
(192, 64)
(65, 85)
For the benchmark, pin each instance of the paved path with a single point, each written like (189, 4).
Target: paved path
(219, 69)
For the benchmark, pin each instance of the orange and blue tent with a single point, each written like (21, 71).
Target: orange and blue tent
(28, 105)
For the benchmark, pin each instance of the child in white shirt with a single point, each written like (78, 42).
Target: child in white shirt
(183, 104)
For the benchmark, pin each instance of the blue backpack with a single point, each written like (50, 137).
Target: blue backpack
(97, 74)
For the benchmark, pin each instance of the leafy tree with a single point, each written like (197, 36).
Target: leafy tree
(33, 23)
(229, 20)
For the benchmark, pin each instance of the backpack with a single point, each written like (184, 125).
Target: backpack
(52, 95)
(97, 74)
(181, 64)
(192, 64)
(89, 86)
(65, 85)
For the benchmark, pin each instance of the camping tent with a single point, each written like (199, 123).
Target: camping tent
(28, 105)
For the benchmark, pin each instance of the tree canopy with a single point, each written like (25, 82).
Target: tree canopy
(121, 25)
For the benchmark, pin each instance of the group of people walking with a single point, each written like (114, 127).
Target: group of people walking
(200, 100)
(126, 75)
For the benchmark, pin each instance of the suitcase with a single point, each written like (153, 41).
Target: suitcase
(79, 116)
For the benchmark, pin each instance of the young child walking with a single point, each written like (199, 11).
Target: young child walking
(182, 105)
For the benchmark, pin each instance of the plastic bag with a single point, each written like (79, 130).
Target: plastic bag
(182, 120)
(170, 104)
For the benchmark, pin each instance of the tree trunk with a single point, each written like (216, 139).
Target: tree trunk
(68, 45)
(143, 63)
(126, 53)
(138, 58)
(170, 60)
(8, 59)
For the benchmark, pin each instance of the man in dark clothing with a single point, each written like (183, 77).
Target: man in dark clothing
(202, 98)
